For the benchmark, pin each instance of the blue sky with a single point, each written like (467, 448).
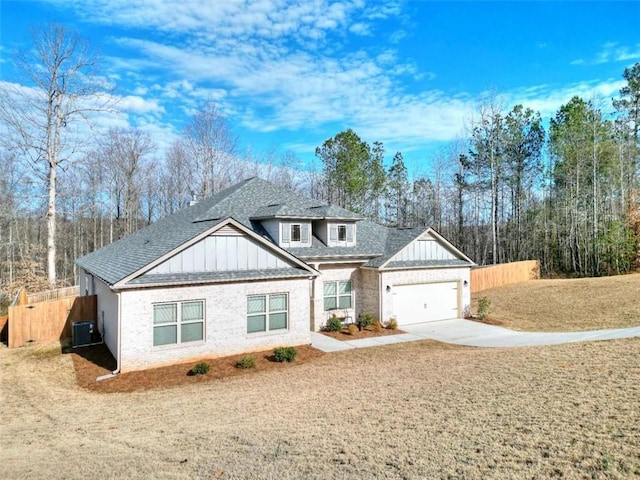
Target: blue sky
(291, 74)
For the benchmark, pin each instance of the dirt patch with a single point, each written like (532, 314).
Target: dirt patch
(565, 304)
(345, 335)
(92, 362)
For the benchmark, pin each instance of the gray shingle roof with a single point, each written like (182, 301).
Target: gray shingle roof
(236, 275)
(427, 263)
(245, 202)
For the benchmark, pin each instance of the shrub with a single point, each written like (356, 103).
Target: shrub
(366, 319)
(483, 306)
(201, 368)
(392, 324)
(376, 327)
(334, 324)
(247, 361)
(353, 329)
(285, 354)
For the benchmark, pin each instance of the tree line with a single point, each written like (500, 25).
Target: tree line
(510, 188)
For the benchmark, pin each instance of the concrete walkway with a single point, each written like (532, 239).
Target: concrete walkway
(474, 334)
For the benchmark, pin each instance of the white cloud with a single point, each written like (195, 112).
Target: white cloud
(138, 105)
(273, 65)
(612, 52)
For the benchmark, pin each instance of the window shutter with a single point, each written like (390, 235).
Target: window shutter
(304, 234)
(285, 232)
(333, 233)
(350, 228)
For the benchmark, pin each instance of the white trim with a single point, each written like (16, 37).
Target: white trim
(266, 313)
(179, 323)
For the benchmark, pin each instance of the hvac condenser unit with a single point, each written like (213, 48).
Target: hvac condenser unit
(83, 333)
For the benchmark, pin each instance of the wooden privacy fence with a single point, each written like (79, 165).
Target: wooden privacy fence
(48, 321)
(493, 276)
(53, 294)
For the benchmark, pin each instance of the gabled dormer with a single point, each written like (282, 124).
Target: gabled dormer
(336, 233)
(289, 233)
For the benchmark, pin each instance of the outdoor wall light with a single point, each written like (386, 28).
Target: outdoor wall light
(466, 284)
(388, 288)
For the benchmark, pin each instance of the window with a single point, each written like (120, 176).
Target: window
(337, 295)
(339, 234)
(342, 233)
(178, 322)
(295, 232)
(267, 312)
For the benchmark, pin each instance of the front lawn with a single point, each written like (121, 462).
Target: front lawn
(566, 305)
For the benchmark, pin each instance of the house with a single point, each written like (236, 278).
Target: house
(256, 266)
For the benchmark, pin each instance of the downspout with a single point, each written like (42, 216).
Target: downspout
(312, 299)
(119, 348)
(380, 293)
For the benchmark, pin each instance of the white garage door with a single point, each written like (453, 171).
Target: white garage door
(425, 302)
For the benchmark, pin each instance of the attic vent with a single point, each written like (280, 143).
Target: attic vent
(273, 205)
(317, 206)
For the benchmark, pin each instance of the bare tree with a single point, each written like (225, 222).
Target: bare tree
(125, 152)
(211, 145)
(177, 179)
(60, 88)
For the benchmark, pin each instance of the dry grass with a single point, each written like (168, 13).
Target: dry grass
(412, 411)
(565, 305)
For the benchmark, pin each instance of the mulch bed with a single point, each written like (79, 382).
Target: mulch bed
(486, 320)
(91, 362)
(345, 335)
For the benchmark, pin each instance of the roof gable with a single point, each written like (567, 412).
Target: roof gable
(428, 248)
(228, 247)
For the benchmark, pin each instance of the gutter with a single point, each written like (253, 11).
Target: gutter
(118, 356)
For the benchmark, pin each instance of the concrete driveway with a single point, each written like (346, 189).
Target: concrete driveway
(473, 334)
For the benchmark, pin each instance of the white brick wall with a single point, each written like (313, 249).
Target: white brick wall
(107, 311)
(225, 322)
(407, 277)
(329, 273)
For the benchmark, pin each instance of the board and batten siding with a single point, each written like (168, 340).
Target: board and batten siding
(425, 248)
(219, 253)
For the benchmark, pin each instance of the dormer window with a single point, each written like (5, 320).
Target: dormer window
(342, 233)
(296, 232)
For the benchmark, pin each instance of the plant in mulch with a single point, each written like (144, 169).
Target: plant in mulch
(392, 324)
(483, 307)
(248, 361)
(365, 320)
(285, 354)
(353, 329)
(201, 368)
(376, 327)
(334, 324)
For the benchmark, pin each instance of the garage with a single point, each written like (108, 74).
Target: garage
(427, 302)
